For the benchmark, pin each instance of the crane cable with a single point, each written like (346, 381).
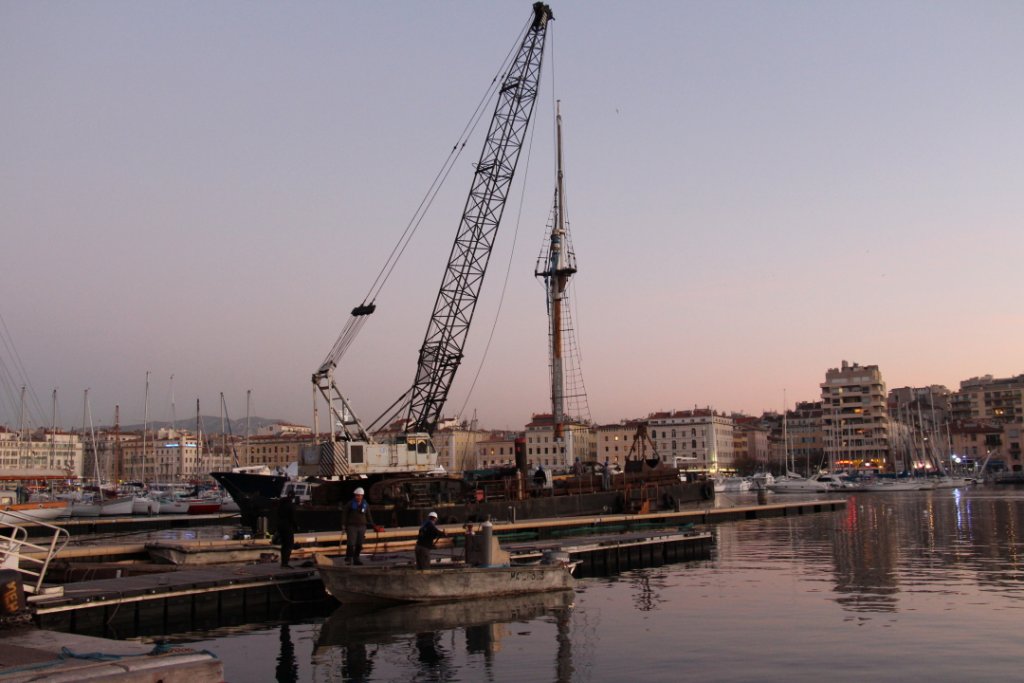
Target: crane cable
(356, 322)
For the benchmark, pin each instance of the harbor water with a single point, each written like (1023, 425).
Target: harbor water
(898, 586)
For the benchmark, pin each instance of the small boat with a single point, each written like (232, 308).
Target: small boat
(117, 507)
(487, 573)
(203, 506)
(732, 484)
(42, 511)
(794, 483)
(888, 484)
(834, 482)
(456, 581)
(144, 505)
(170, 505)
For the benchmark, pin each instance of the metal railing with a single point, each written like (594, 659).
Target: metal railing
(22, 555)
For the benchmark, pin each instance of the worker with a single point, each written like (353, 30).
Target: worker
(286, 528)
(429, 533)
(577, 467)
(539, 478)
(606, 476)
(355, 517)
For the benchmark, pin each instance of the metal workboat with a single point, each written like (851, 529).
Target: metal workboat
(456, 581)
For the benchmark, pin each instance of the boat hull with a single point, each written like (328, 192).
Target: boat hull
(364, 623)
(41, 511)
(117, 507)
(405, 583)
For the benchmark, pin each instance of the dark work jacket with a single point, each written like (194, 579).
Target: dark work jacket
(286, 515)
(429, 533)
(356, 515)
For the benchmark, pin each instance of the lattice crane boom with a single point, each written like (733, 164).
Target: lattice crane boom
(442, 349)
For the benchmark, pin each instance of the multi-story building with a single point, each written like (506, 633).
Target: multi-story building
(750, 441)
(614, 441)
(974, 442)
(543, 449)
(805, 431)
(854, 417)
(456, 446)
(988, 398)
(174, 455)
(42, 450)
(497, 450)
(274, 450)
(699, 440)
(284, 429)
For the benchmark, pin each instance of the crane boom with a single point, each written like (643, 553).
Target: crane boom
(441, 352)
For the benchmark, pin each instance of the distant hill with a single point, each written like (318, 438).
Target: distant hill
(211, 425)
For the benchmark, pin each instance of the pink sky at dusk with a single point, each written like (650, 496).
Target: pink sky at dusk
(757, 192)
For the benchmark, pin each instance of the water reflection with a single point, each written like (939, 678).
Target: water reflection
(351, 638)
(886, 547)
(287, 668)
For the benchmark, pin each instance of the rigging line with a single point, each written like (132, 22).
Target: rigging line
(401, 402)
(8, 341)
(508, 273)
(442, 175)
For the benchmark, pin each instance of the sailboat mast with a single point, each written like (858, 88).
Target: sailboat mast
(53, 433)
(145, 428)
(223, 431)
(248, 398)
(199, 439)
(556, 273)
(118, 462)
(21, 428)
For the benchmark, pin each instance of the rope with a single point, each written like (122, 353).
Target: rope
(351, 330)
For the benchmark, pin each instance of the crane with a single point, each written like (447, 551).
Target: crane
(353, 449)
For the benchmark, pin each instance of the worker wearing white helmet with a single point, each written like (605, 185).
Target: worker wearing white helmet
(429, 533)
(355, 517)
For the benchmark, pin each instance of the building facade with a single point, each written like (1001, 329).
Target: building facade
(699, 440)
(855, 418)
(613, 442)
(42, 450)
(543, 449)
(989, 398)
(498, 450)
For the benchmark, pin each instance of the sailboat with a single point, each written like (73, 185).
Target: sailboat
(793, 482)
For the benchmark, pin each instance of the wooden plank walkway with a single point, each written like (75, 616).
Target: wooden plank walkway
(172, 584)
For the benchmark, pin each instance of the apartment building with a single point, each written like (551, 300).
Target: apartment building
(698, 440)
(42, 450)
(854, 417)
(614, 441)
(989, 398)
(543, 449)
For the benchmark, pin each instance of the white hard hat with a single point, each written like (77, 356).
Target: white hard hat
(433, 514)
(359, 492)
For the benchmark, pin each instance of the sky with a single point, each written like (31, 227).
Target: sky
(757, 191)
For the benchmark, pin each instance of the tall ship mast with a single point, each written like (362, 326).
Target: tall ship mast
(556, 265)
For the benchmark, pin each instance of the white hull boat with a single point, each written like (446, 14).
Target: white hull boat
(732, 484)
(172, 506)
(40, 511)
(144, 505)
(117, 507)
(794, 484)
(85, 508)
